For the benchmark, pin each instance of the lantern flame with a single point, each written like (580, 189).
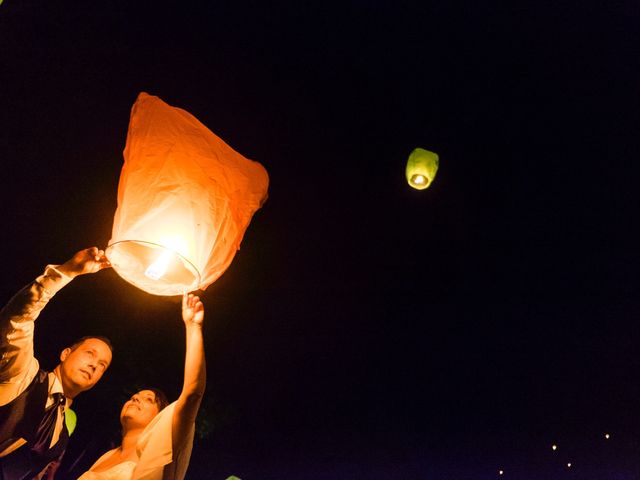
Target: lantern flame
(419, 180)
(158, 268)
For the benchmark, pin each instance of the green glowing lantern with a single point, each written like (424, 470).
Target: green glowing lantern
(70, 420)
(422, 167)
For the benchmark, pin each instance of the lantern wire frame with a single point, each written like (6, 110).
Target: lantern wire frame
(133, 259)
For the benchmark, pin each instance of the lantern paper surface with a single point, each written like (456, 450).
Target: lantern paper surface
(422, 167)
(185, 199)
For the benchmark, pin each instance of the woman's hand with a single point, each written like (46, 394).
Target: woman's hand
(192, 309)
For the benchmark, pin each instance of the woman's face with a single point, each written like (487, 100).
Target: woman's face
(139, 410)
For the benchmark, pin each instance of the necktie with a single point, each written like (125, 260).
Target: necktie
(48, 425)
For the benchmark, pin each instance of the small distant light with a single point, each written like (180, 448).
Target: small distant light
(500, 472)
(569, 465)
(606, 435)
(554, 447)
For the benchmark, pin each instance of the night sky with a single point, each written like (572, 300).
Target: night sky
(365, 330)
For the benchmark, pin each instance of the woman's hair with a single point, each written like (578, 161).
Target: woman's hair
(161, 398)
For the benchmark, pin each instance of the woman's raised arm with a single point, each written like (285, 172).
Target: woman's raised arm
(195, 372)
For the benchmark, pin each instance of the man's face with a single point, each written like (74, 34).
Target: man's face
(81, 368)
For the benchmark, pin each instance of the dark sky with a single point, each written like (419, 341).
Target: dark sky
(365, 330)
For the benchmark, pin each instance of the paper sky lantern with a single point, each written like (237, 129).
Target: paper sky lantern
(422, 167)
(185, 199)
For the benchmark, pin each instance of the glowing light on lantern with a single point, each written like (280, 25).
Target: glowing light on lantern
(569, 465)
(157, 269)
(185, 199)
(500, 472)
(554, 447)
(606, 435)
(419, 180)
(422, 167)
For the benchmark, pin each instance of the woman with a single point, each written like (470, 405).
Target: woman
(157, 441)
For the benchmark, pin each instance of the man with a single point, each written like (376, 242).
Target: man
(33, 434)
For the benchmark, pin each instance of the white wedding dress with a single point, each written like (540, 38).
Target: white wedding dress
(155, 455)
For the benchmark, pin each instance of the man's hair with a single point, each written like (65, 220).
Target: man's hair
(81, 340)
(161, 398)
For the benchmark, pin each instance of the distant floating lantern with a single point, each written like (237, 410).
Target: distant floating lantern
(422, 167)
(185, 199)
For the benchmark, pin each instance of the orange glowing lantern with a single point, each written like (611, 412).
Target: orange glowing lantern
(185, 199)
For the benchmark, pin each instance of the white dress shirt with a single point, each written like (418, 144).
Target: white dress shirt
(18, 365)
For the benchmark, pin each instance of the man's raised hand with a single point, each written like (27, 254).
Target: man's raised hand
(89, 260)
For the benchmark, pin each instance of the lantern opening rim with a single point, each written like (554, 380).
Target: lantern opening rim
(186, 261)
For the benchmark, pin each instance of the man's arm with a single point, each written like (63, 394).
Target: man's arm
(18, 316)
